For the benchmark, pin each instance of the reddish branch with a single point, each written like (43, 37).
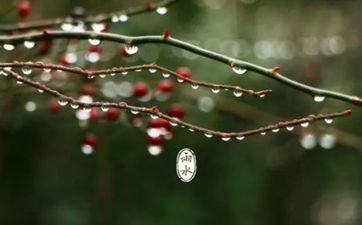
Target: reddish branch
(113, 71)
(174, 121)
(100, 18)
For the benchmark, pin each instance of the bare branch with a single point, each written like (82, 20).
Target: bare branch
(180, 79)
(236, 64)
(175, 121)
(119, 16)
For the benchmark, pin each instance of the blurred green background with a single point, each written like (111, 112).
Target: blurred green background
(308, 176)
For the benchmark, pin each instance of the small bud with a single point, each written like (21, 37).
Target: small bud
(166, 33)
(275, 69)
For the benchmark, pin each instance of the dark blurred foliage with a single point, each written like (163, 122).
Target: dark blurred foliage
(272, 179)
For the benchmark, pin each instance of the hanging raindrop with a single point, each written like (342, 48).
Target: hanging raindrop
(194, 86)
(305, 124)
(152, 70)
(208, 135)
(94, 41)
(166, 75)
(29, 44)
(131, 50)
(263, 133)
(98, 27)
(319, 98)
(40, 90)
(74, 105)
(123, 18)
(67, 27)
(135, 112)
(290, 128)
(240, 138)
(237, 93)
(124, 73)
(328, 120)
(215, 90)
(8, 47)
(276, 130)
(62, 102)
(161, 10)
(225, 138)
(26, 70)
(239, 70)
(47, 70)
(104, 108)
(180, 80)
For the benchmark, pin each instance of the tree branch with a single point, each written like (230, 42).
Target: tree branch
(90, 74)
(174, 121)
(100, 18)
(138, 40)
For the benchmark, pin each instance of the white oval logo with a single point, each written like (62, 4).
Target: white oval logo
(186, 165)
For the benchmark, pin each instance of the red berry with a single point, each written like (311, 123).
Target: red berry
(94, 113)
(24, 8)
(183, 71)
(140, 89)
(176, 111)
(112, 114)
(158, 123)
(88, 89)
(54, 105)
(155, 140)
(165, 85)
(94, 48)
(90, 139)
(63, 60)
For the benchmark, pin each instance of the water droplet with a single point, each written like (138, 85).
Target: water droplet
(104, 108)
(290, 128)
(308, 141)
(8, 68)
(180, 80)
(138, 70)
(237, 93)
(86, 108)
(62, 102)
(135, 112)
(94, 41)
(47, 70)
(263, 133)
(8, 47)
(261, 96)
(305, 124)
(26, 70)
(153, 116)
(29, 44)
(123, 18)
(113, 74)
(98, 27)
(239, 70)
(173, 123)
(276, 130)
(154, 150)
(327, 141)
(240, 138)
(319, 98)
(87, 149)
(191, 130)
(115, 19)
(19, 82)
(161, 10)
(215, 90)
(152, 70)
(30, 106)
(67, 27)
(194, 86)
(166, 75)
(40, 90)
(328, 120)
(131, 50)
(225, 138)
(124, 73)
(102, 75)
(74, 105)
(208, 135)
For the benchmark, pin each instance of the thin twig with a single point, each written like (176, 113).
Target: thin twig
(160, 39)
(100, 18)
(92, 73)
(175, 121)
